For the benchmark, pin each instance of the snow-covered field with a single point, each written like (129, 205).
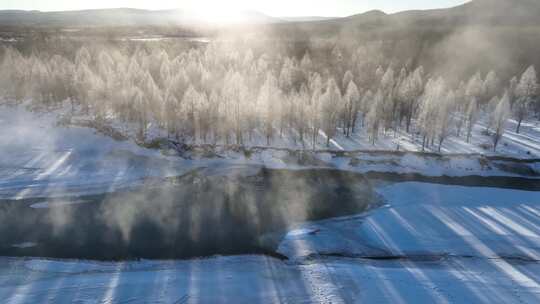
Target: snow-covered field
(429, 243)
(430, 220)
(40, 158)
(452, 245)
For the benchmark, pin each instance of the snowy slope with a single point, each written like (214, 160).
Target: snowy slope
(469, 273)
(427, 220)
(258, 279)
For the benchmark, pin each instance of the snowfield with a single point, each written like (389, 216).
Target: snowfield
(443, 244)
(40, 158)
(430, 220)
(428, 244)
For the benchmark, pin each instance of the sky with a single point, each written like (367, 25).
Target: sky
(335, 8)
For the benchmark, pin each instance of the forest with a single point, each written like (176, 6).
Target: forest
(233, 92)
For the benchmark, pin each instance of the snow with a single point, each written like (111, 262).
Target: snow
(47, 205)
(451, 244)
(525, 145)
(428, 244)
(428, 219)
(258, 279)
(40, 158)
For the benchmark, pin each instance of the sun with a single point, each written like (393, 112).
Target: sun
(221, 12)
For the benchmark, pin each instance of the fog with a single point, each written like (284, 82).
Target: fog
(415, 73)
(198, 214)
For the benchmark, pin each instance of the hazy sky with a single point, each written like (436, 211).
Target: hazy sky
(270, 7)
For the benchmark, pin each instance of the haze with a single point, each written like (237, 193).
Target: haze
(269, 151)
(219, 9)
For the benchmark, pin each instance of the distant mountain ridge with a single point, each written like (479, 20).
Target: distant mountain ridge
(523, 12)
(307, 18)
(116, 17)
(487, 12)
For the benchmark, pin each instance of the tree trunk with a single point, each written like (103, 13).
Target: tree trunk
(354, 120)
(409, 119)
(314, 138)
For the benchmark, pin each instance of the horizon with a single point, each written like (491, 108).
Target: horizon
(303, 8)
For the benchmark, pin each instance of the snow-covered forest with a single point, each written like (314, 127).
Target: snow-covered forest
(229, 93)
(301, 152)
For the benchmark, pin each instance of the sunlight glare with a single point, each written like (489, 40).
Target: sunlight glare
(221, 12)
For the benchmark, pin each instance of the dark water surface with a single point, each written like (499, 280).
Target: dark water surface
(198, 214)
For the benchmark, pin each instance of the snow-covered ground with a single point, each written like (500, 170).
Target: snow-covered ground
(430, 220)
(40, 158)
(455, 245)
(429, 243)
(524, 145)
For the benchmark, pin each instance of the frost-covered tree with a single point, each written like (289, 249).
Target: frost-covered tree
(513, 83)
(306, 64)
(492, 104)
(268, 96)
(389, 103)
(473, 93)
(141, 116)
(227, 92)
(171, 109)
(330, 103)
(444, 117)
(525, 93)
(189, 112)
(286, 76)
(365, 104)
(461, 103)
(500, 116)
(347, 78)
(409, 91)
(301, 102)
(472, 116)
(432, 107)
(351, 101)
(374, 115)
(491, 85)
(314, 114)
(475, 88)
(235, 92)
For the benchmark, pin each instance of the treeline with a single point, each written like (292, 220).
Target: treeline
(232, 94)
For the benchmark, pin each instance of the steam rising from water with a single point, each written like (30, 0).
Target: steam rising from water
(194, 215)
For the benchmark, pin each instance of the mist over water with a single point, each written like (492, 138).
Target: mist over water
(198, 214)
(291, 85)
